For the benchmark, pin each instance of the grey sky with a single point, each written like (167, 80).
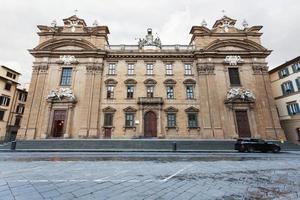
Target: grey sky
(128, 19)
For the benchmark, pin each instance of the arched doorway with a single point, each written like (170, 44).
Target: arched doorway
(150, 124)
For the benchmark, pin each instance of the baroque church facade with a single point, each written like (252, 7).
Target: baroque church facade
(217, 87)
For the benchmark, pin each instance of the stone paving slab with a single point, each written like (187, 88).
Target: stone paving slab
(260, 176)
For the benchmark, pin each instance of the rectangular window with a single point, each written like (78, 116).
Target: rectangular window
(110, 92)
(192, 120)
(293, 108)
(11, 75)
(22, 97)
(112, 69)
(169, 69)
(2, 112)
(129, 119)
(66, 76)
(149, 69)
(189, 92)
(130, 69)
(287, 88)
(130, 90)
(7, 86)
(108, 119)
(150, 91)
(170, 92)
(187, 69)
(20, 109)
(4, 101)
(298, 83)
(284, 72)
(171, 120)
(17, 121)
(234, 76)
(296, 67)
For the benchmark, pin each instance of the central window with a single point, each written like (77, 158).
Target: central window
(234, 76)
(149, 69)
(170, 92)
(112, 69)
(66, 76)
(130, 70)
(150, 91)
(187, 69)
(169, 69)
(110, 92)
(130, 90)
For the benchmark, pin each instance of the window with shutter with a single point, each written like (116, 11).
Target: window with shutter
(234, 76)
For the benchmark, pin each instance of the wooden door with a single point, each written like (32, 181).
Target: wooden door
(58, 126)
(150, 124)
(107, 133)
(243, 124)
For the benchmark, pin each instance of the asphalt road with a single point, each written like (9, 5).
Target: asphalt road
(149, 176)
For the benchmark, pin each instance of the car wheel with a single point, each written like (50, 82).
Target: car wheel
(250, 149)
(275, 149)
(242, 148)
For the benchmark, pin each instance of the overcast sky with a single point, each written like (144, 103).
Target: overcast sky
(129, 19)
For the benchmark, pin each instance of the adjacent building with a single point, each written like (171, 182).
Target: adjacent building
(215, 87)
(12, 103)
(285, 81)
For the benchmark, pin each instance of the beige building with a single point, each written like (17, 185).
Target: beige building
(285, 82)
(216, 87)
(11, 108)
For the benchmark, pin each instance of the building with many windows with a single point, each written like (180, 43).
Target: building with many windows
(216, 87)
(285, 81)
(12, 103)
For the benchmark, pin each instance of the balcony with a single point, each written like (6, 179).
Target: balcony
(150, 100)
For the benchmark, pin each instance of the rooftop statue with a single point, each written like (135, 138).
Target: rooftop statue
(149, 40)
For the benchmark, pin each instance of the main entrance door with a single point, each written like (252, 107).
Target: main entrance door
(150, 124)
(59, 120)
(242, 123)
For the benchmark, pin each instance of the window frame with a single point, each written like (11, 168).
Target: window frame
(66, 79)
(284, 88)
(110, 91)
(170, 91)
(234, 78)
(128, 92)
(132, 120)
(2, 114)
(293, 108)
(7, 84)
(149, 69)
(169, 69)
(150, 93)
(171, 122)
(4, 100)
(112, 69)
(195, 124)
(188, 71)
(108, 119)
(191, 91)
(130, 69)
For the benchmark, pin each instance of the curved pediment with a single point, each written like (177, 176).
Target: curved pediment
(66, 44)
(234, 45)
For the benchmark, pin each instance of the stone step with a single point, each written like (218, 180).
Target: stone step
(136, 144)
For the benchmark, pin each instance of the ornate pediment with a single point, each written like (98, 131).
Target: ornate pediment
(61, 94)
(191, 109)
(150, 81)
(111, 82)
(171, 109)
(189, 82)
(149, 40)
(129, 109)
(239, 94)
(130, 82)
(73, 23)
(169, 82)
(109, 109)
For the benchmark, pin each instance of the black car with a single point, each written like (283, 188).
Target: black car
(251, 145)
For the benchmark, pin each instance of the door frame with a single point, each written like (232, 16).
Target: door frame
(144, 123)
(249, 121)
(53, 121)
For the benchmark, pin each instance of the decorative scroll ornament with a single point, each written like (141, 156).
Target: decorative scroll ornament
(60, 94)
(67, 59)
(149, 40)
(240, 93)
(233, 60)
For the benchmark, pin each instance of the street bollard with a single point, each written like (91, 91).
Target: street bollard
(13, 145)
(174, 146)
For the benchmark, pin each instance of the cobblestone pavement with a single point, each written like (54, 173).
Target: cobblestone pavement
(31, 176)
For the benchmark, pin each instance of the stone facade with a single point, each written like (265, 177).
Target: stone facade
(217, 87)
(285, 82)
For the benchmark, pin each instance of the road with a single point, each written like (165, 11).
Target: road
(85, 176)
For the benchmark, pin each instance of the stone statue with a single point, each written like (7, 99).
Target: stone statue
(240, 93)
(149, 41)
(60, 94)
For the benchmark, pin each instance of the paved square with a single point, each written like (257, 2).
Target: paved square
(149, 176)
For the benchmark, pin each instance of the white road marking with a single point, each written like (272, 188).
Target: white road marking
(179, 171)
